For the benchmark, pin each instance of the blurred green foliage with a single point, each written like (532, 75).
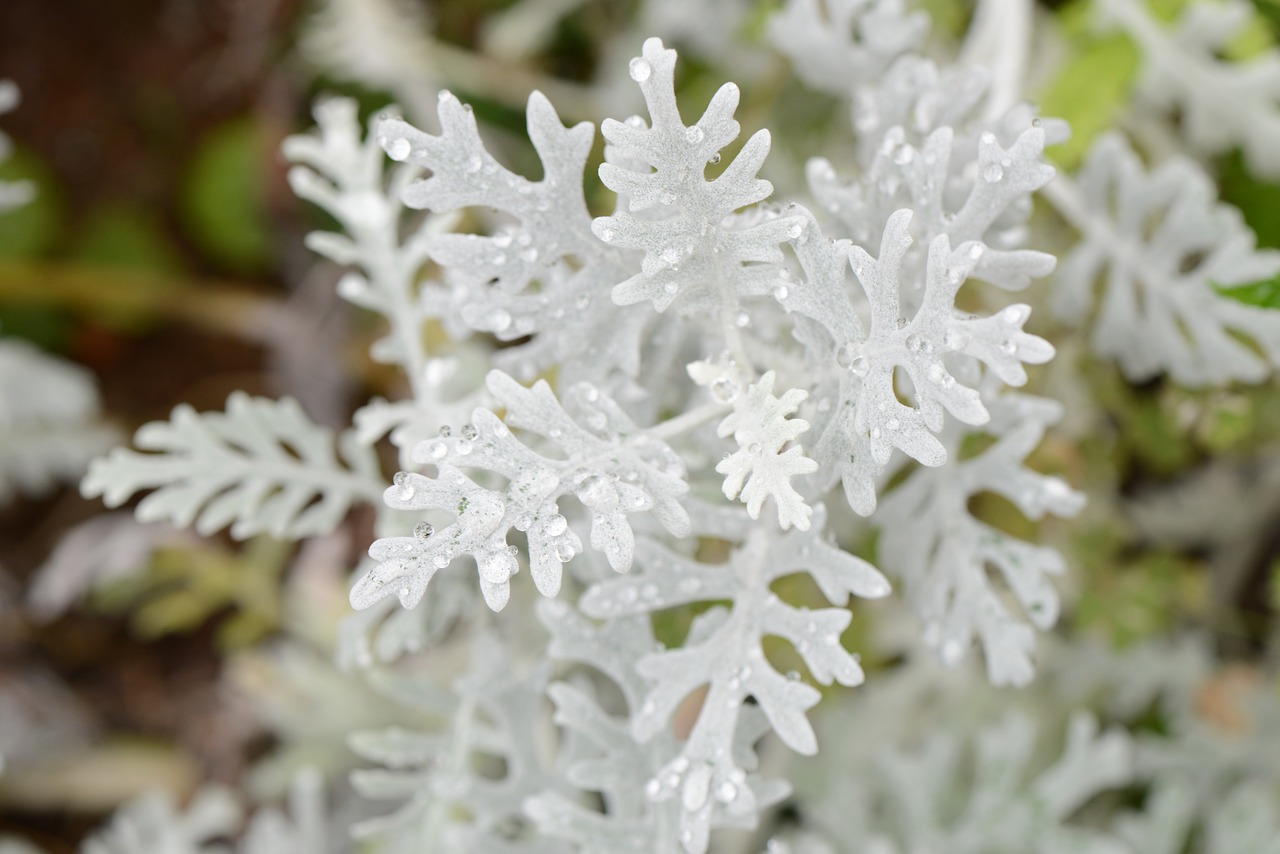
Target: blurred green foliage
(223, 198)
(180, 589)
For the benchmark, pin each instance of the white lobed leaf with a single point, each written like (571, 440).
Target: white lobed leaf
(260, 467)
(760, 469)
(610, 466)
(50, 427)
(695, 249)
(1159, 242)
(1220, 104)
(154, 823)
(835, 45)
(943, 555)
(869, 420)
(545, 276)
(723, 652)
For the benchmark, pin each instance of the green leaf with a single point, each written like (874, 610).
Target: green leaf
(1090, 91)
(128, 238)
(31, 230)
(1261, 294)
(223, 201)
(1258, 200)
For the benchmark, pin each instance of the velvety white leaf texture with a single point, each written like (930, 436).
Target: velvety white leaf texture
(723, 652)
(611, 760)
(943, 554)
(970, 181)
(448, 803)
(259, 467)
(760, 468)
(610, 466)
(340, 169)
(546, 276)
(863, 370)
(1158, 242)
(998, 801)
(695, 249)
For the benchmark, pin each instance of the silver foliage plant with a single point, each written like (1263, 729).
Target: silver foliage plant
(678, 398)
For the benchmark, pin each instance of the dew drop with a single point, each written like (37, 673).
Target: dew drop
(992, 173)
(398, 149)
(724, 389)
(470, 433)
(1015, 315)
(694, 135)
(780, 293)
(1008, 346)
(859, 367)
(742, 320)
(445, 431)
(423, 530)
(714, 159)
(640, 69)
(564, 552)
(500, 320)
(557, 525)
(473, 164)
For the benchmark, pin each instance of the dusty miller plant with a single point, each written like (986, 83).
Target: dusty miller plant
(679, 405)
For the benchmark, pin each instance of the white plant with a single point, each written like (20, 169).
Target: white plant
(1163, 246)
(650, 410)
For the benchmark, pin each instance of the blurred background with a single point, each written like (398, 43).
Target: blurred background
(162, 251)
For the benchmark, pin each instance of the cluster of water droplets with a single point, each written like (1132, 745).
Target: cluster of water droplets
(699, 784)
